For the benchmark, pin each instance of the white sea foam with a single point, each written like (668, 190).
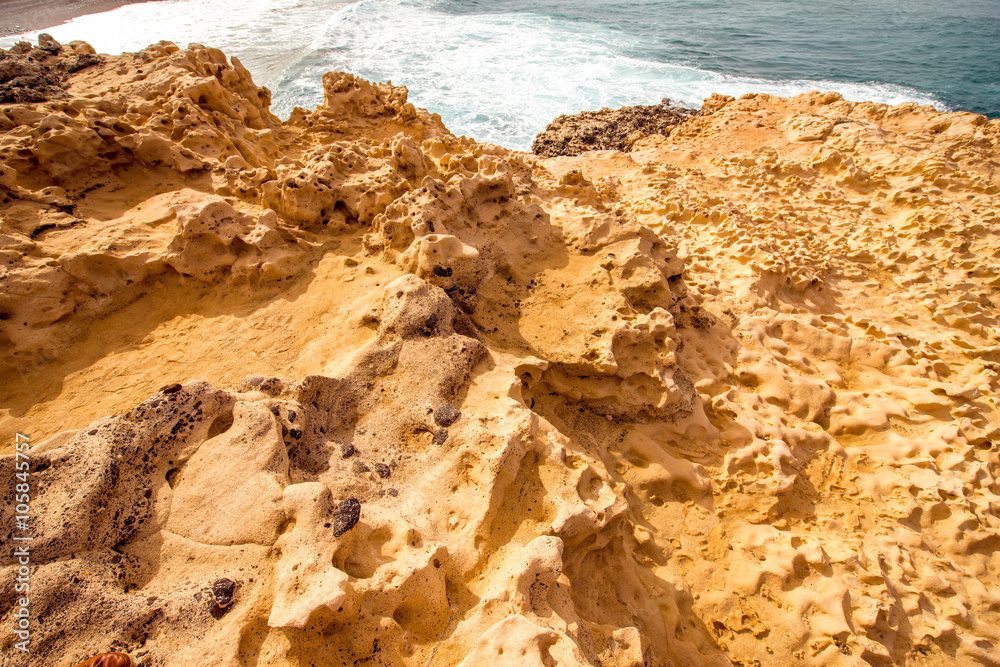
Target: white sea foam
(496, 77)
(503, 77)
(267, 35)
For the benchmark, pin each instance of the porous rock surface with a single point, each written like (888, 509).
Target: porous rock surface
(730, 398)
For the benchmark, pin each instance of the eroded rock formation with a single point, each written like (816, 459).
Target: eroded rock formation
(347, 389)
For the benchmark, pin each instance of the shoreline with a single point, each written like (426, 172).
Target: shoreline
(20, 16)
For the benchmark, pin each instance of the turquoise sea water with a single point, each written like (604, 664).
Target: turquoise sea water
(499, 70)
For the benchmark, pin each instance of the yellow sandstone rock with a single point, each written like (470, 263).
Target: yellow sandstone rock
(729, 398)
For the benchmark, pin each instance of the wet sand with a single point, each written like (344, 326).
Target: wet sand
(17, 16)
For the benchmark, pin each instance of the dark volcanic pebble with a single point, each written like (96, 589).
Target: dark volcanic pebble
(347, 450)
(223, 590)
(221, 601)
(216, 611)
(346, 517)
(360, 467)
(440, 436)
(382, 470)
(393, 492)
(446, 414)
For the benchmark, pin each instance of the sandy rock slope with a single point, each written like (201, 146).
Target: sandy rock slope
(350, 390)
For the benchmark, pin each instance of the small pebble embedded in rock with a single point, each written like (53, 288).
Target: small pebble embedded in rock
(223, 590)
(346, 450)
(171, 388)
(360, 468)
(440, 436)
(446, 414)
(346, 517)
(221, 602)
(382, 470)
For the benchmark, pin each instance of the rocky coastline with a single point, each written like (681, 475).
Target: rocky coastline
(349, 389)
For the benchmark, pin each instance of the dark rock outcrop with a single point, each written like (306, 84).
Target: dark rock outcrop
(607, 129)
(37, 74)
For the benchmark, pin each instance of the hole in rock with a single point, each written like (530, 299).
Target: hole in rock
(172, 475)
(362, 557)
(221, 424)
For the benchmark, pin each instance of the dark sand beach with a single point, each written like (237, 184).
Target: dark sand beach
(17, 16)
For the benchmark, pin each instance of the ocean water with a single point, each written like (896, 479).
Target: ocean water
(500, 70)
